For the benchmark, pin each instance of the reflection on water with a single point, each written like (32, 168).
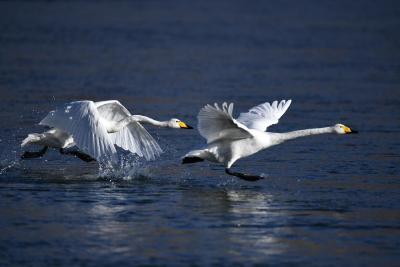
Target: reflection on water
(227, 215)
(162, 219)
(254, 210)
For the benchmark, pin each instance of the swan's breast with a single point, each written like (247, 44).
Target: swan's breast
(57, 138)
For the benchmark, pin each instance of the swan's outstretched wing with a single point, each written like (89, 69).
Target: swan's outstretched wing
(136, 139)
(112, 110)
(217, 123)
(82, 120)
(264, 115)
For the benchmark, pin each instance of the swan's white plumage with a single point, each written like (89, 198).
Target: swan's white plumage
(31, 138)
(215, 123)
(230, 139)
(89, 123)
(112, 110)
(52, 138)
(95, 128)
(136, 139)
(82, 120)
(264, 115)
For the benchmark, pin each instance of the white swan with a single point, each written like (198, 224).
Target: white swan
(95, 127)
(230, 139)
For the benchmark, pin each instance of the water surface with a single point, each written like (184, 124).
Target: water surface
(326, 200)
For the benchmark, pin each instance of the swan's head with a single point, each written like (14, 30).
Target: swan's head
(343, 129)
(178, 124)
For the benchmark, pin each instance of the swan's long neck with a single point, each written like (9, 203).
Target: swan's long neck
(117, 126)
(282, 137)
(147, 120)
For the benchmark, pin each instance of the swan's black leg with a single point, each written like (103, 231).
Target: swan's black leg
(78, 154)
(247, 177)
(187, 160)
(83, 156)
(31, 155)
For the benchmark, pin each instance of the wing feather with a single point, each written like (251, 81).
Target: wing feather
(137, 140)
(262, 116)
(112, 110)
(81, 120)
(134, 137)
(215, 123)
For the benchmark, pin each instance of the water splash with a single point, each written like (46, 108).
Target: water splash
(7, 166)
(127, 167)
(9, 159)
(132, 167)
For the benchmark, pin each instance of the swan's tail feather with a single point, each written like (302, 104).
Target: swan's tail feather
(31, 139)
(195, 156)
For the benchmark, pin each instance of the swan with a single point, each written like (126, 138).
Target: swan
(229, 139)
(95, 127)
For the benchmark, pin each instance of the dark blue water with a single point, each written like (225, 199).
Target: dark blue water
(327, 200)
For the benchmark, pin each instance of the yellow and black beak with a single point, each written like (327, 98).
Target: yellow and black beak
(184, 125)
(347, 130)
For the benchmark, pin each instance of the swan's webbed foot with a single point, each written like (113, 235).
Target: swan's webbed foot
(78, 154)
(244, 176)
(31, 155)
